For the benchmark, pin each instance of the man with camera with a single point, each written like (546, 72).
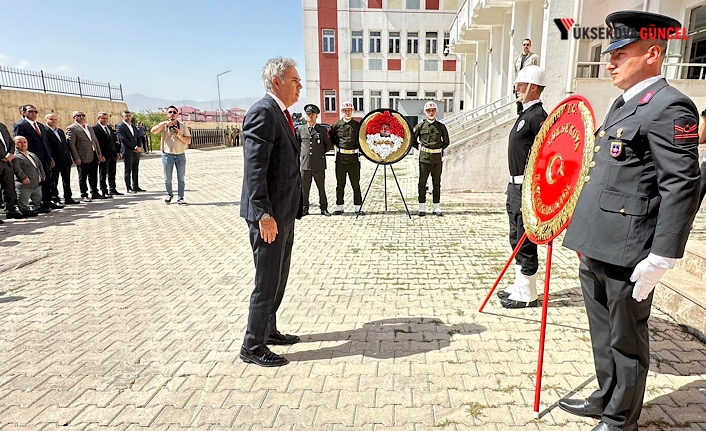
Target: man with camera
(175, 139)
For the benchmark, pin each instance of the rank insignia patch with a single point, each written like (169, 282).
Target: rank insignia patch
(686, 131)
(616, 148)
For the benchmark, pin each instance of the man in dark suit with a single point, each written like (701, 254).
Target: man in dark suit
(7, 174)
(38, 143)
(315, 141)
(62, 160)
(108, 143)
(86, 154)
(632, 220)
(130, 149)
(271, 200)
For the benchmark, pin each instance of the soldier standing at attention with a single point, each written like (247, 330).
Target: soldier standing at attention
(431, 138)
(344, 135)
(632, 220)
(316, 141)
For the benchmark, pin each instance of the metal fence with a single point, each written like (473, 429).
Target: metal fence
(50, 83)
(205, 138)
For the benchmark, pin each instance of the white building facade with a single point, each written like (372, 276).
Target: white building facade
(375, 53)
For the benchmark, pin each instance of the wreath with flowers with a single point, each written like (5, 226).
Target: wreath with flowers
(384, 134)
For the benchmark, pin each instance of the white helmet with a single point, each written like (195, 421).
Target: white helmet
(346, 105)
(430, 105)
(531, 75)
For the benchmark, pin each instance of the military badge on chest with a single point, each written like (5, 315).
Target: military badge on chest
(616, 149)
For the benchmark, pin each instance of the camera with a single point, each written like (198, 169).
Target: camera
(174, 128)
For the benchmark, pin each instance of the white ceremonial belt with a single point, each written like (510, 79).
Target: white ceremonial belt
(517, 179)
(431, 150)
(344, 151)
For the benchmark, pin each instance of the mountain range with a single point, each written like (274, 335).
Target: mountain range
(140, 103)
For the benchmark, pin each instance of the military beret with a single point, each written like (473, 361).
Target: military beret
(628, 26)
(311, 109)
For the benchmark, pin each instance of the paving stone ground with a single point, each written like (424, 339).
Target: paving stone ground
(131, 316)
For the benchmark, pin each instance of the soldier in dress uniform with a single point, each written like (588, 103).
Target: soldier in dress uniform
(632, 220)
(431, 138)
(529, 84)
(316, 141)
(344, 135)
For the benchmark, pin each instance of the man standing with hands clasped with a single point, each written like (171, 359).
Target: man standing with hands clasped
(270, 202)
(175, 139)
(632, 220)
(431, 138)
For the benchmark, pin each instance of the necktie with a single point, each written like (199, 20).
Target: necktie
(289, 118)
(619, 102)
(36, 129)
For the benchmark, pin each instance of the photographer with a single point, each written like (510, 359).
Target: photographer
(175, 139)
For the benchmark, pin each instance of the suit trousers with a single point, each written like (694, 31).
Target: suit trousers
(271, 273)
(435, 170)
(620, 340)
(320, 179)
(107, 174)
(65, 172)
(88, 171)
(7, 183)
(527, 255)
(46, 185)
(131, 162)
(353, 172)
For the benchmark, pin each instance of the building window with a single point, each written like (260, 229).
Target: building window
(394, 99)
(413, 43)
(327, 42)
(430, 94)
(431, 42)
(375, 100)
(375, 63)
(447, 38)
(411, 95)
(432, 5)
(394, 43)
(355, 4)
(358, 101)
(375, 41)
(330, 101)
(356, 41)
(448, 102)
(431, 65)
(412, 4)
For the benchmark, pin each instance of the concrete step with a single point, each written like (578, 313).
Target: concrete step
(682, 291)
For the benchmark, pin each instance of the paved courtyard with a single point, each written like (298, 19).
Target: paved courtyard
(128, 314)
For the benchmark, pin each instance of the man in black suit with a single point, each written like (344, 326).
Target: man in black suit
(62, 160)
(130, 149)
(38, 143)
(632, 220)
(108, 143)
(271, 200)
(7, 174)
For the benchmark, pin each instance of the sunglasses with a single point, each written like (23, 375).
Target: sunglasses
(525, 44)
(172, 112)
(33, 112)
(80, 115)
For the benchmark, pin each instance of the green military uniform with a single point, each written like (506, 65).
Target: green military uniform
(345, 138)
(431, 138)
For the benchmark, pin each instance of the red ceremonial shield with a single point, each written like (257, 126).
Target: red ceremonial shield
(557, 168)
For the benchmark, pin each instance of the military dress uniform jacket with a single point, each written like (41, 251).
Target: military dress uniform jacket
(345, 136)
(643, 191)
(314, 144)
(433, 136)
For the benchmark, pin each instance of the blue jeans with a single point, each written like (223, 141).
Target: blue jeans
(170, 160)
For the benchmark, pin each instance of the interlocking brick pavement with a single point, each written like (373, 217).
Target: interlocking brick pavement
(132, 312)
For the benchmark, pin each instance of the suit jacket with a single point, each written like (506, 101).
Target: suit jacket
(644, 188)
(272, 182)
(38, 144)
(82, 147)
(314, 147)
(107, 141)
(9, 147)
(25, 169)
(128, 141)
(59, 147)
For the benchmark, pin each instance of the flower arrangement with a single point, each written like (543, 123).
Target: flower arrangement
(385, 134)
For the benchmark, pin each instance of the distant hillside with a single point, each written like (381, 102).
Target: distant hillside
(140, 102)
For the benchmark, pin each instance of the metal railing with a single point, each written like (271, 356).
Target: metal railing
(50, 83)
(201, 138)
(460, 122)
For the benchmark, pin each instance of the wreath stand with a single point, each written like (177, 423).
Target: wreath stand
(384, 165)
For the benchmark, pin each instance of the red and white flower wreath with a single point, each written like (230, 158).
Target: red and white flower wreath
(389, 125)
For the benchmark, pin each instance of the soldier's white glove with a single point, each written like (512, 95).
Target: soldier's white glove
(647, 274)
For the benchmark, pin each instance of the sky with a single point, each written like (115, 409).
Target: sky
(164, 49)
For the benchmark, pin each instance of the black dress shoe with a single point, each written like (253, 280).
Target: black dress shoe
(137, 189)
(337, 212)
(280, 339)
(115, 192)
(43, 210)
(97, 196)
(511, 303)
(70, 202)
(107, 195)
(263, 357)
(503, 294)
(422, 213)
(131, 191)
(602, 426)
(14, 214)
(325, 213)
(580, 408)
(30, 213)
(56, 206)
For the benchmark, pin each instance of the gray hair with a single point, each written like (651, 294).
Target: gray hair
(275, 68)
